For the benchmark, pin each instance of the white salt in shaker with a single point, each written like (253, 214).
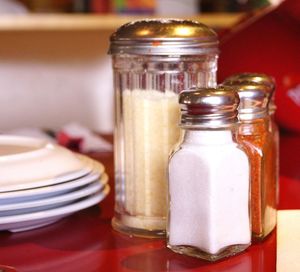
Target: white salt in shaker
(209, 179)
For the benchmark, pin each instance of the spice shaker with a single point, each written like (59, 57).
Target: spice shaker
(209, 179)
(153, 60)
(269, 82)
(256, 137)
(263, 79)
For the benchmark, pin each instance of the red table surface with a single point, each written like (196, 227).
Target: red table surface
(86, 242)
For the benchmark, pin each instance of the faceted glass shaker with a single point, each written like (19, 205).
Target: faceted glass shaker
(209, 179)
(153, 61)
(260, 133)
(269, 82)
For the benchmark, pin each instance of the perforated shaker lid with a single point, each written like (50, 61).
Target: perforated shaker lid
(254, 100)
(209, 107)
(257, 78)
(164, 37)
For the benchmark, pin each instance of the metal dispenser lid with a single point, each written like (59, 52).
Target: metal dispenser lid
(209, 107)
(164, 37)
(254, 100)
(248, 78)
(241, 78)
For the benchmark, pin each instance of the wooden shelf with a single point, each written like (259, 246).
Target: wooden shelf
(75, 22)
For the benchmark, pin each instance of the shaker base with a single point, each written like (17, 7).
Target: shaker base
(260, 237)
(139, 227)
(196, 252)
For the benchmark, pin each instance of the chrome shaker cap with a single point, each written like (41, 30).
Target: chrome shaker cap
(254, 100)
(164, 37)
(209, 107)
(257, 78)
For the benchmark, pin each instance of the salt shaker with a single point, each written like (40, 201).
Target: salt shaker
(153, 60)
(209, 179)
(259, 134)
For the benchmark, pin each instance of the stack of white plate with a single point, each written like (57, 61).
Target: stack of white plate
(41, 182)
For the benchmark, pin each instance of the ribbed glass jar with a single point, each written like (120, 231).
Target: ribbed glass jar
(149, 73)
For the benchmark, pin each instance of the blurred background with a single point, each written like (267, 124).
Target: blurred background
(143, 6)
(54, 67)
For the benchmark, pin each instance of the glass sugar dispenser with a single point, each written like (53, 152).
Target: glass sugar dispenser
(209, 179)
(258, 139)
(153, 60)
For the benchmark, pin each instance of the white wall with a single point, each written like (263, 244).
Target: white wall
(48, 79)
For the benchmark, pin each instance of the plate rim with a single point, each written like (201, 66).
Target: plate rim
(60, 211)
(86, 169)
(96, 167)
(84, 191)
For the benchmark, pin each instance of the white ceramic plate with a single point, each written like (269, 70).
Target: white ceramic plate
(27, 163)
(53, 202)
(54, 190)
(34, 220)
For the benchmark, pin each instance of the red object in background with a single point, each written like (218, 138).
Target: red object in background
(100, 6)
(68, 141)
(269, 43)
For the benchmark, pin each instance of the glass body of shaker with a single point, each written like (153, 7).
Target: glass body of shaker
(147, 116)
(209, 214)
(258, 142)
(274, 130)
